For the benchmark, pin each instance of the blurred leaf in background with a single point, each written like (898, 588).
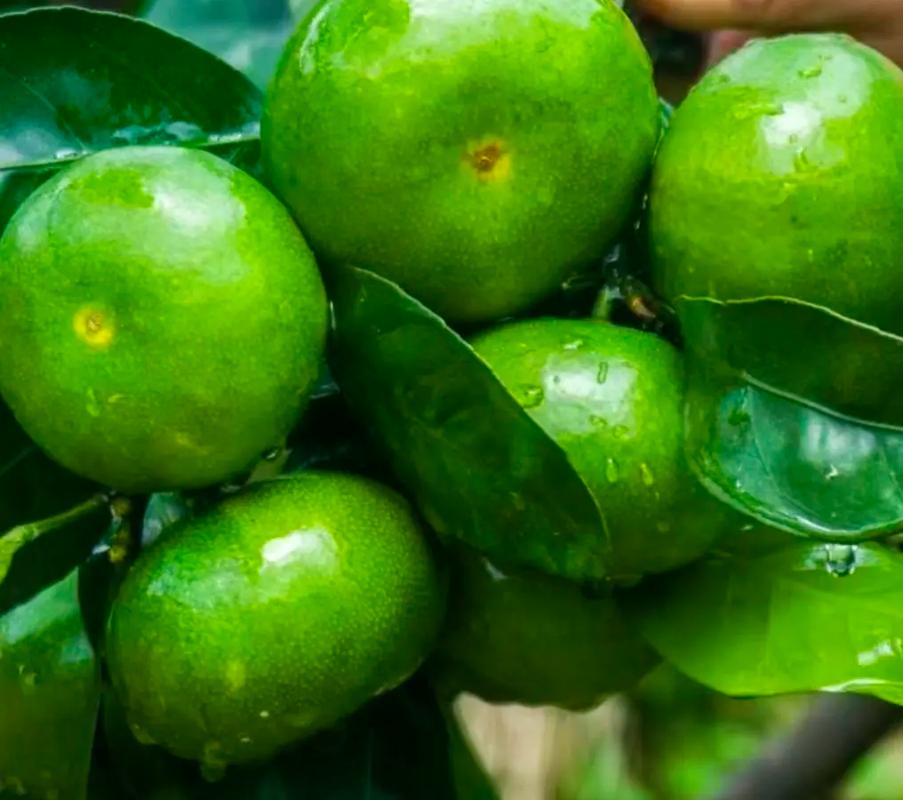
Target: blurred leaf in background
(248, 34)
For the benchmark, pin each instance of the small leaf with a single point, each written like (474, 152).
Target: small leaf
(478, 466)
(801, 351)
(76, 81)
(792, 616)
(35, 555)
(49, 694)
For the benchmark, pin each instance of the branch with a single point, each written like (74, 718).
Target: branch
(813, 758)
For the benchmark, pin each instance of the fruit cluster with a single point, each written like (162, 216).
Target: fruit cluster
(444, 169)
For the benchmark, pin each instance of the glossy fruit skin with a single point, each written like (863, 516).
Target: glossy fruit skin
(781, 175)
(519, 637)
(474, 153)
(612, 398)
(272, 616)
(164, 321)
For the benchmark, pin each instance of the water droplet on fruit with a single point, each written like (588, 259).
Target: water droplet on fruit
(92, 406)
(840, 559)
(28, 680)
(602, 374)
(213, 765)
(738, 417)
(801, 162)
(141, 735)
(611, 471)
(646, 474)
(574, 345)
(531, 396)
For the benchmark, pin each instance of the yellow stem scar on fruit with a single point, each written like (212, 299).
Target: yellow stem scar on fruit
(93, 326)
(491, 161)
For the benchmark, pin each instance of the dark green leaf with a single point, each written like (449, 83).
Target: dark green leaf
(802, 351)
(248, 34)
(478, 466)
(793, 466)
(793, 617)
(31, 485)
(35, 555)
(76, 81)
(49, 691)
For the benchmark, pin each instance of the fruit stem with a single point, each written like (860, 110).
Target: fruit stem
(604, 305)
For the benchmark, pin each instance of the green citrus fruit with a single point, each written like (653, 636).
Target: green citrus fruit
(273, 615)
(474, 153)
(612, 398)
(781, 176)
(163, 319)
(515, 637)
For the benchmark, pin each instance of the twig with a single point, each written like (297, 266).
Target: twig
(809, 761)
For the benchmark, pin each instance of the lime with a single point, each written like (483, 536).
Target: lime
(163, 320)
(526, 638)
(612, 398)
(474, 153)
(781, 176)
(272, 616)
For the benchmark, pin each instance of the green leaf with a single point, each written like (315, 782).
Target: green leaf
(76, 81)
(248, 35)
(31, 485)
(798, 616)
(794, 466)
(49, 693)
(477, 465)
(35, 555)
(802, 351)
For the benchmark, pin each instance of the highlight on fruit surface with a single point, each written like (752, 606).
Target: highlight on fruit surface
(477, 154)
(164, 321)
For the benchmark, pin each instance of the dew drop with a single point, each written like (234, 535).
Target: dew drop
(840, 559)
(531, 396)
(213, 765)
(602, 374)
(646, 474)
(738, 417)
(141, 735)
(611, 471)
(801, 162)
